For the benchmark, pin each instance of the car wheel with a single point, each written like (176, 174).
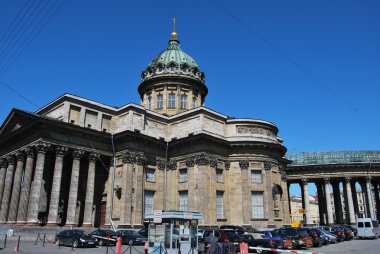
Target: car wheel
(57, 241)
(75, 243)
(101, 243)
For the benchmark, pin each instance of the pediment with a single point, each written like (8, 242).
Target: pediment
(15, 121)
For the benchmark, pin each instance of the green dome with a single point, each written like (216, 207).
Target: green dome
(173, 61)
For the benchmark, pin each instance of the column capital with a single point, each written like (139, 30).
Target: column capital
(368, 179)
(213, 162)
(227, 164)
(42, 147)
(172, 165)
(190, 161)
(161, 164)
(3, 163)
(347, 178)
(284, 177)
(326, 179)
(20, 156)
(29, 151)
(202, 159)
(304, 180)
(61, 151)
(141, 159)
(11, 160)
(128, 157)
(77, 154)
(92, 157)
(244, 164)
(267, 165)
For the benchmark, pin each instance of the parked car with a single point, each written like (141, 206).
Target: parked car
(223, 236)
(327, 237)
(348, 234)
(300, 239)
(316, 236)
(143, 232)
(286, 242)
(336, 231)
(260, 240)
(128, 235)
(368, 227)
(238, 229)
(105, 237)
(75, 238)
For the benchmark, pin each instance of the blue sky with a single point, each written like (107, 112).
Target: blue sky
(310, 67)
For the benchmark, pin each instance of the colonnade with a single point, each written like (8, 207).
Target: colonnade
(370, 188)
(22, 185)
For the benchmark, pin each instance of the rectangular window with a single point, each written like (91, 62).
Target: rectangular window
(159, 101)
(183, 201)
(171, 100)
(219, 205)
(148, 202)
(149, 102)
(183, 101)
(219, 175)
(183, 175)
(256, 176)
(150, 175)
(194, 102)
(257, 205)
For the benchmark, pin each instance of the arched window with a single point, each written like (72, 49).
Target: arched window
(277, 195)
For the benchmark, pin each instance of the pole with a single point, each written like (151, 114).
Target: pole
(165, 174)
(113, 178)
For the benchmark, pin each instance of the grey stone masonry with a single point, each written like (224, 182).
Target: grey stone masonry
(73, 193)
(306, 201)
(330, 217)
(87, 220)
(370, 197)
(25, 191)
(350, 201)
(12, 216)
(7, 190)
(35, 192)
(56, 186)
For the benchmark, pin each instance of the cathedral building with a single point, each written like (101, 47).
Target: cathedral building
(77, 162)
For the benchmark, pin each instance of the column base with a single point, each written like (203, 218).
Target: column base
(87, 225)
(30, 223)
(71, 225)
(52, 224)
(21, 223)
(11, 222)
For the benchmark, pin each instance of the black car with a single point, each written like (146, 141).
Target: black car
(258, 240)
(143, 232)
(238, 229)
(338, 232)
(348, 234)
(300, 239)
(315, 235)
(132, 236)
(105, 237)
(75, 238)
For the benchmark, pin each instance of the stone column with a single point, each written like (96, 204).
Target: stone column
(330, 217)
(12, 216)
(3, 171)
(7, 190)
(126, 193)
(202, 195)
(35, 193)
(321, 202)
(87, 222)
(25, 190)
(246, 205)
(377, 200)
(139, 191)
(269, 197)
(73, 193)
(306, 202)
(370, 197)
(110, 194)
(337, 203)
(350, 202)
(56, 185)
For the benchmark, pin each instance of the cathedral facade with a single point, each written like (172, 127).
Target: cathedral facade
(77, 162)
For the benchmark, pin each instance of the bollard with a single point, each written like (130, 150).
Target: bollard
(5, 241)
(118, 245)
(38, 236)
(43, 241)
(146, 247)
(17, 246)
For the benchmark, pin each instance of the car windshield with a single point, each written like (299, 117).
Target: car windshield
(82, 233)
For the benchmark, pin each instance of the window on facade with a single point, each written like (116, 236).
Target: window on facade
(219, 175)
(148, 202)
(159, 101)
(183, 175)
(257, 205)
(184, 101)
(194, 102)
(256, 176)
(183, 201)
(150, 175)
(171, 101)
(219, 205)
(149, 102)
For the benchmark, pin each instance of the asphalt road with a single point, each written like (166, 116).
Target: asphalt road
(28, 247)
